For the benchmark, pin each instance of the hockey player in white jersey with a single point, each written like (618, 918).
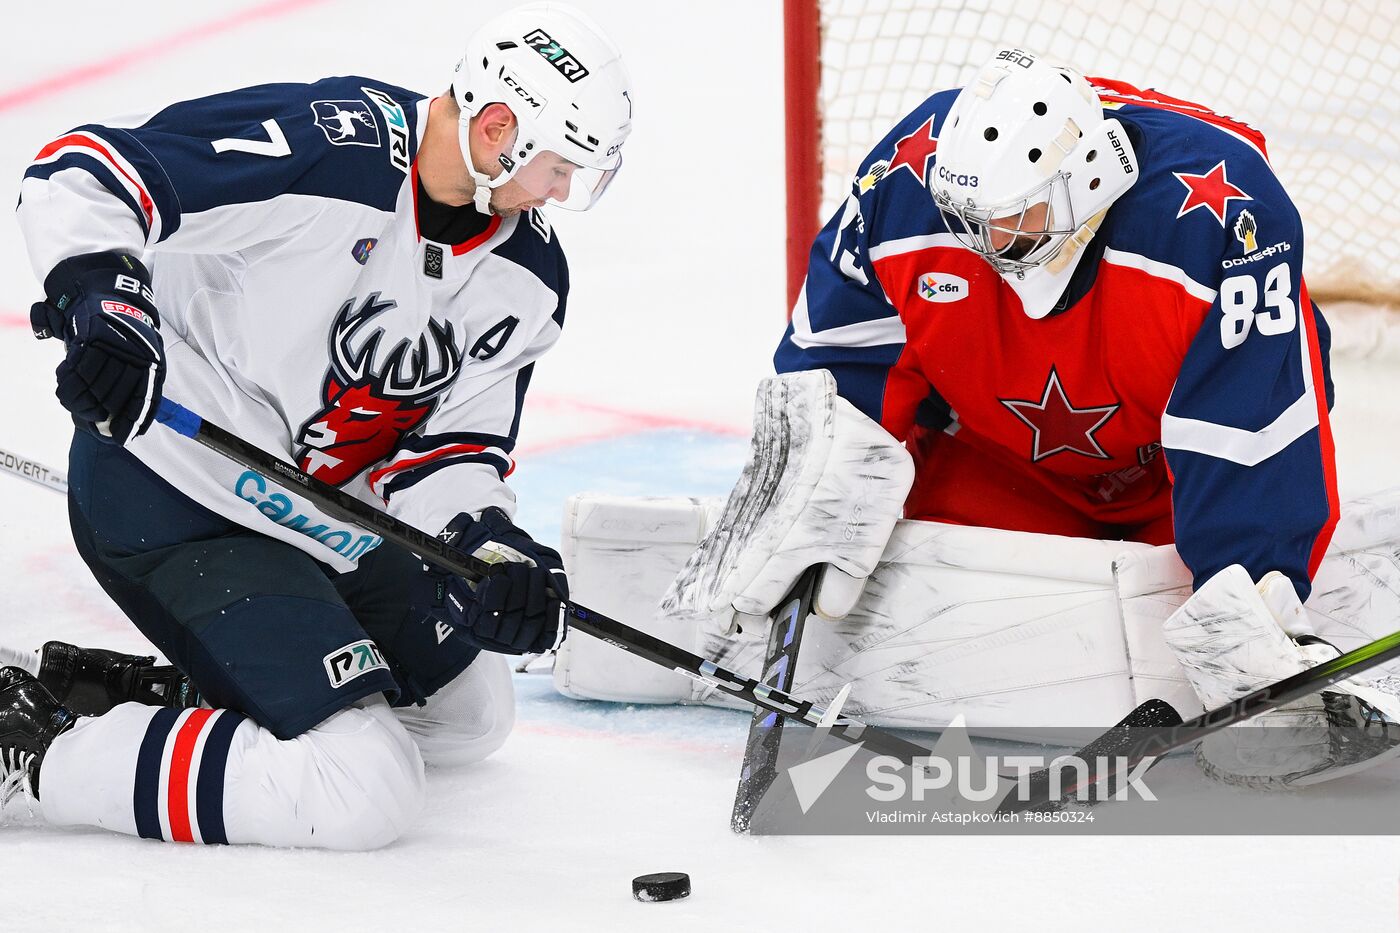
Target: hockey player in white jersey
(359, 278)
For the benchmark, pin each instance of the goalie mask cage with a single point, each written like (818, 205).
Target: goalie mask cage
(1320, 79)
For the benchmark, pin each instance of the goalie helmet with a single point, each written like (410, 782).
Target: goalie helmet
(1027, 162)
(564, 81)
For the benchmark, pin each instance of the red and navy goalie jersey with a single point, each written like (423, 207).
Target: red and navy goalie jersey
(1180, 383)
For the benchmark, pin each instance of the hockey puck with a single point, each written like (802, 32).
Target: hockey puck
(661, 886)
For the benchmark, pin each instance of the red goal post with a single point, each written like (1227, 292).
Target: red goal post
(1320, 79)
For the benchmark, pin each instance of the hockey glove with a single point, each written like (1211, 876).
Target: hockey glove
(515, 609)
(112, 375)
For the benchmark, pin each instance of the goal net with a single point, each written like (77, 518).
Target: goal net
(1320, 79)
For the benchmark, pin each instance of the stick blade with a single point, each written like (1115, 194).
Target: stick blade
(1114, 742)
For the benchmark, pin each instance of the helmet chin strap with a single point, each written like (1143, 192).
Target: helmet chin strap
(485, 184)
(482, 196)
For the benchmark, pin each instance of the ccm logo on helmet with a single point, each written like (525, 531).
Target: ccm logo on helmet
(967, 181)
(509, 79)
(941, 287)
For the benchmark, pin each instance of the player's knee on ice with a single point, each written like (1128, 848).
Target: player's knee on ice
(352, 782)
(357, 780)
(468, 719)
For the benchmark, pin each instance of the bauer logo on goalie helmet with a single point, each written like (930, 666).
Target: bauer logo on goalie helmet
(1016, 57)
(942, 287)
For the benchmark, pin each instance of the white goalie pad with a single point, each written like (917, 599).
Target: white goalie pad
(1012, 630)
(1355, 597)
(823, 486)
(621, 553)
(1009, 629)
(1356, 591)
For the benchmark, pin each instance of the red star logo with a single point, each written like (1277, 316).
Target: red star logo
(914, 152)
(1212, 191)
(1058, 425)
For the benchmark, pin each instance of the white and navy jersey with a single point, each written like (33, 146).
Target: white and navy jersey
(303, 308)
(1186, 330)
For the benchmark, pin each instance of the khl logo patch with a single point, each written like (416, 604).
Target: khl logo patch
(354, 660)
(432, 260)
(346, 122)
(942, 287)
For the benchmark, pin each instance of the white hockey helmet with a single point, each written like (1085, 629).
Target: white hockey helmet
(564, 81)
(1026, 161)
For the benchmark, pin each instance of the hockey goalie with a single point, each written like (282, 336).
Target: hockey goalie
(1060, 328)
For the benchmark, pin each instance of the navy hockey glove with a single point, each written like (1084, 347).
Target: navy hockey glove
(515, 609)
(112, 375)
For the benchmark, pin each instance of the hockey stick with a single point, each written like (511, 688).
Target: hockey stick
(449, 559)
(34, 471)
(1166, 732)
(760, 767)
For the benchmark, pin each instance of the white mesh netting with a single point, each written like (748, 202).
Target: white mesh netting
(1321, 79)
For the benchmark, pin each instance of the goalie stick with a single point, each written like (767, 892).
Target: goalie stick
(447, 558)
(1166, 732)
(760, 768)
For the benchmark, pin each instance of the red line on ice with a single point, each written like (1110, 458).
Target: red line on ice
(141, 54)
(638, 420)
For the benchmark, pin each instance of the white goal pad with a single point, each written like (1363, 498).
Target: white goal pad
(1012, 630)
(621, 553)
(1008, 629)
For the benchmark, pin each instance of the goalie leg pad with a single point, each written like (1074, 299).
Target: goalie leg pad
(1010, 629)
(621, 553)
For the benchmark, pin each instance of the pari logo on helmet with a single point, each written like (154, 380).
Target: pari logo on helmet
(557, 55)
(371, 402)
(571, 118)
(1027, 164)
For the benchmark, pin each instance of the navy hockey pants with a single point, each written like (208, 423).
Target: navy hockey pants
(259, 626)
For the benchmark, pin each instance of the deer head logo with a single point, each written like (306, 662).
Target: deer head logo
(371, 400)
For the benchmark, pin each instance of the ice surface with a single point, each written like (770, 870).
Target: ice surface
(677, 304)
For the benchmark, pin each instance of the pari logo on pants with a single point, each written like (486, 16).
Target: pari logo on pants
(345, 664)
